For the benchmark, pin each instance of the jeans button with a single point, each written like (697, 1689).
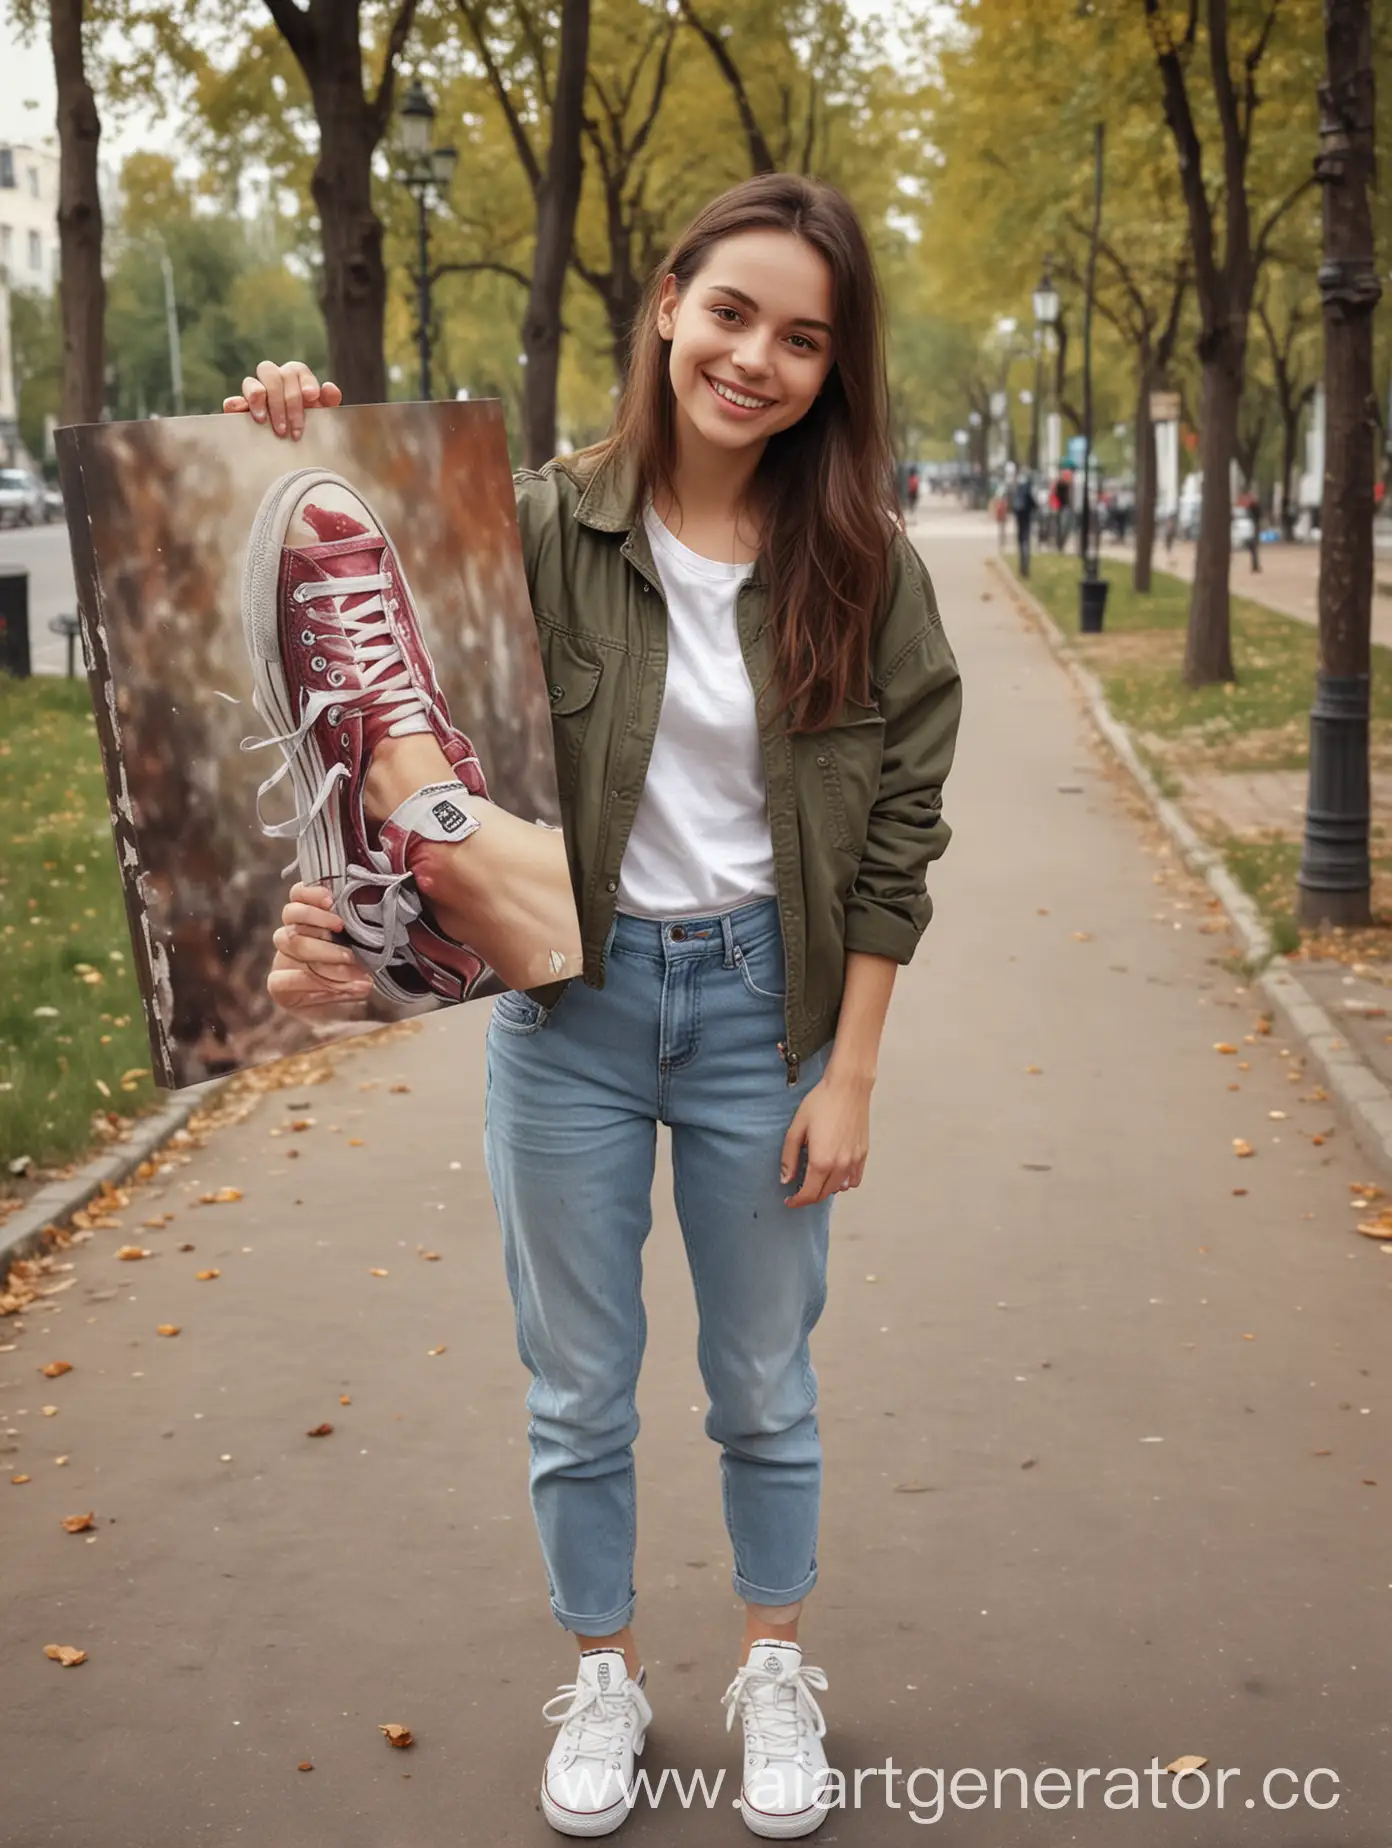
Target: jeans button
(677, 934)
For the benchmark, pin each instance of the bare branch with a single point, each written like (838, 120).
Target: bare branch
(1292, 198)
(379, 113)
(530, 165)
(296, 28)
(760, 158)
(497, 269)
(1189, 149)
(536, 44)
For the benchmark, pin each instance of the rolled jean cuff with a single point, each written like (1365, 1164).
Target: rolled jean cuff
(595, 1626)
(759, 1594)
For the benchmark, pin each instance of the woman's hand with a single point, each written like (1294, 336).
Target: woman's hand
(311, 971)
(833, 1121)
(280, 396)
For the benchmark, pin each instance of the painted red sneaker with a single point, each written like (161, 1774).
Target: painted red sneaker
(339, 664)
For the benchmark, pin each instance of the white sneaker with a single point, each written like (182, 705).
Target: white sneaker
(784, 1792)
(604, 1719)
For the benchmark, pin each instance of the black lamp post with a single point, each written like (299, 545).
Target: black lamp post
(1092, 588)
(427, 174)
(1046, 307)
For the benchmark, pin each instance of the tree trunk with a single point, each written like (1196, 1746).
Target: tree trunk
(558, 198)
(1290, 439)
(355, 280)
(1208, 651)
(82, 290)
(1145, 483)
(1335, 874)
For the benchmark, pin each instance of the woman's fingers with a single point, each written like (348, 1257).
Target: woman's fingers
(281, 395)
(333, 960)
(321, 898)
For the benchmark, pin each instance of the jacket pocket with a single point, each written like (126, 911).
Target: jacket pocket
(848, 757)
(573, 673)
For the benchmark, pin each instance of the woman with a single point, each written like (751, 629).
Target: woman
(755, 709)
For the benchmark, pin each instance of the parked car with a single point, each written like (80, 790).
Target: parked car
(21, 498)
(53, 501)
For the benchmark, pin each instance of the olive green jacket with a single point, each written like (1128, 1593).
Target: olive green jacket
(855, 812)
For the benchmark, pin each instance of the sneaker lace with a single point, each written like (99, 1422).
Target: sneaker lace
(776, 1709)
(593, 1718)
(386, 683)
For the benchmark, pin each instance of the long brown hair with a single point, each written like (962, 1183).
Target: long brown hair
(826, 482)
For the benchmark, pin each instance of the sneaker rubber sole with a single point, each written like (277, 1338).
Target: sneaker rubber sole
(597, 1822)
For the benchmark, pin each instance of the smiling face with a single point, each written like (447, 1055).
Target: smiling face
(750, 338)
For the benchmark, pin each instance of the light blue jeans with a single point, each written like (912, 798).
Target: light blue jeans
(686, 1032)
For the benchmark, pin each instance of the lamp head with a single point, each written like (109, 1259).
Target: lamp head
(417, 119)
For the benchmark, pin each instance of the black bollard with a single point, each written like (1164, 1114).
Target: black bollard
(14, 621)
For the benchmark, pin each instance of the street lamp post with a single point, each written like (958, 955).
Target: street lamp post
(1046, 307)
(427, 174)
(1092, 587)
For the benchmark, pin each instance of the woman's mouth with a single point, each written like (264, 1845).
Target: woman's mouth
(737, 403)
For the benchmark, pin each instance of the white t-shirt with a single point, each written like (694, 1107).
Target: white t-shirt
(700, 840)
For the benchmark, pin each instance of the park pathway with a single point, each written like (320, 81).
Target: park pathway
(1106, 1410)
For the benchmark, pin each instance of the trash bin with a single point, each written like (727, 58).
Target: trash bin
(14, 621)
(1092, 605)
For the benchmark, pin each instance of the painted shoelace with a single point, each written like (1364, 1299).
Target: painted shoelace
(378, 928)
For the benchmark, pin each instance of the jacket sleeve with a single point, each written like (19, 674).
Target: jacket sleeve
(538, 521)
(919, 693)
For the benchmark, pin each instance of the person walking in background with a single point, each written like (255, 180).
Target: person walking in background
(912, 487)
(1251, 506)
(1000, 507)
(740, 519)
(1022, 502)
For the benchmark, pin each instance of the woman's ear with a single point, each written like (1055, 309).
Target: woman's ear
(667, 307)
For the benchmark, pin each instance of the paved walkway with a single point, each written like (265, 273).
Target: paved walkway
(1103, 1410)
(1288, 580)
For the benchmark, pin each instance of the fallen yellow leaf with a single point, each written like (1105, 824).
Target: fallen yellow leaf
(56, 1369)
(1191, 1761)
(1223, 1046)
(131, 1254)
(436, 1350)
(78, 1523)
(399, 1736)
(167, 1328)
(1242, 1149)
(65, 1653)
(206, 1276)
(344, 1399)
(377, 1273)
(355, 1142)
(17, 1480)
(225, 1196)
(320, 1430)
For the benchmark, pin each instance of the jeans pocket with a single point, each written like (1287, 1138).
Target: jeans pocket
(516, 1012)
(762, 969)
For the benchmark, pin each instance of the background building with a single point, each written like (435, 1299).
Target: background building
(28, 257)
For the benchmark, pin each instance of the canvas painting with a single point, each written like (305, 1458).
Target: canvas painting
(316, 662)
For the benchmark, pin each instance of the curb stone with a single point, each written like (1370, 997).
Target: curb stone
(24, 1233)
(1346, 1075)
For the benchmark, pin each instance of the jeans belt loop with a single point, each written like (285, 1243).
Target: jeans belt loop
(728, 937)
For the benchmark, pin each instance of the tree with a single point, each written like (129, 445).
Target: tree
(619, 133)
(82, 290)
(1288, 326)
(1335, 874)
(324, 36)
(1226, 264)
(556, 190)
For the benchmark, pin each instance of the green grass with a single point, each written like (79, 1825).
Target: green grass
(70, 1015)
(1258, 722)
(1266, 871)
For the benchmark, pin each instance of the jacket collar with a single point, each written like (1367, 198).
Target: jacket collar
(607, 484)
